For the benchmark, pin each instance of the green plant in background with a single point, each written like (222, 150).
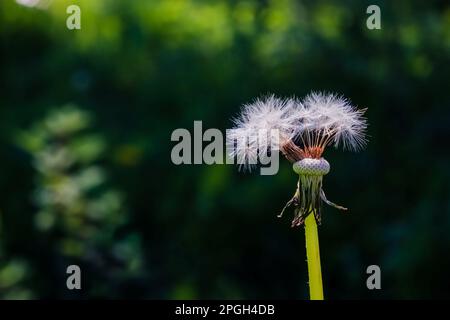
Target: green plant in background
(78, 214)
(301, 130)
(13, 274)
(13, 278)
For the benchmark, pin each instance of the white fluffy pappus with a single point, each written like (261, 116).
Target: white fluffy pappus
(300, 129)
(332, 119)
(260, 128)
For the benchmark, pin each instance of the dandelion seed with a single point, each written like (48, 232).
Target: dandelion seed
(333, 120)
(260, 124)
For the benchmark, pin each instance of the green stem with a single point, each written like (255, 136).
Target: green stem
(313, 258)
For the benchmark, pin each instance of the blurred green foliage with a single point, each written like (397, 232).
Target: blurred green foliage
(77, 214)
(139, 70)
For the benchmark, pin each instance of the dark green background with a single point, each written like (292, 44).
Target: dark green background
(141, 69)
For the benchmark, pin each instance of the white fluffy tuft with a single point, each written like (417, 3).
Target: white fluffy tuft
(259, 125)
(320, 119)
(334, 115)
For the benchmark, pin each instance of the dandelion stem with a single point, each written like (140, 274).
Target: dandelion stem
(313, 258)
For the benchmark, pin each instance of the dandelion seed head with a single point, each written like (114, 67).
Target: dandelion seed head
(303, 129)
(267, 114)
(259, 125)
(335, 117)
